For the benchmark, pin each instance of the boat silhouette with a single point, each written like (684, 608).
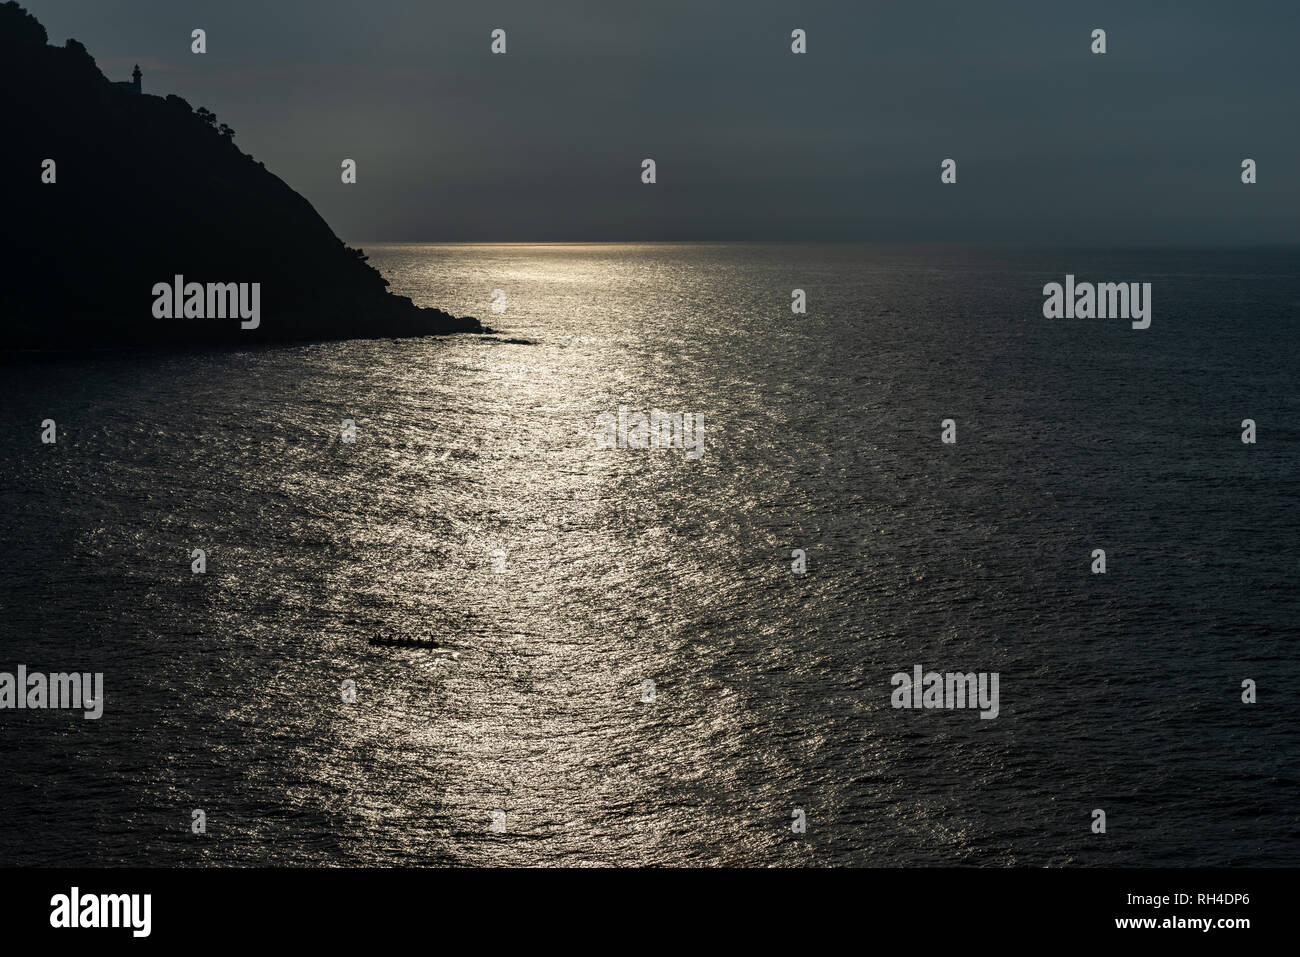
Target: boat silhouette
(400, 642)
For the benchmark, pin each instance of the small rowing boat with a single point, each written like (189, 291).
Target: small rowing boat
(404, 642)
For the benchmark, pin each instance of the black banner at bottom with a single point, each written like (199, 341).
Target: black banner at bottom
(641, 908)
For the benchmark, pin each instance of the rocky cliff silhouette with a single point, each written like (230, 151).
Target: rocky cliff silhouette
(146, 189)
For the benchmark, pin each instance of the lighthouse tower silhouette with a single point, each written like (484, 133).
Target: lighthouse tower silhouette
(134, 85)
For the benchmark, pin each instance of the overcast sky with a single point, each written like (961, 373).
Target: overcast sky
(752, 142)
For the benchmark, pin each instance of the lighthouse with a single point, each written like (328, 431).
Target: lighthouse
(134, 85)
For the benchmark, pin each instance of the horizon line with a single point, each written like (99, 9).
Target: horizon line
(1055, 244)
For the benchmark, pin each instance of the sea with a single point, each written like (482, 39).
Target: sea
(641, 656)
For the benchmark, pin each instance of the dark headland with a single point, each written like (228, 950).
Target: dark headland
(145, 189)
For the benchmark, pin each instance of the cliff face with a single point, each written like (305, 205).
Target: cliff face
(145, 189)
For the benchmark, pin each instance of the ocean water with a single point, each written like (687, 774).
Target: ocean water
(476, 508)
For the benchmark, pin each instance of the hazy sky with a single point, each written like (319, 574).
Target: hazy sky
(1052, 143)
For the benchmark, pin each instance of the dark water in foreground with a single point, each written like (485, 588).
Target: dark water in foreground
(475, 507)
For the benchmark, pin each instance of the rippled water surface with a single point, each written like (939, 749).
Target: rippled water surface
(476, 509)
